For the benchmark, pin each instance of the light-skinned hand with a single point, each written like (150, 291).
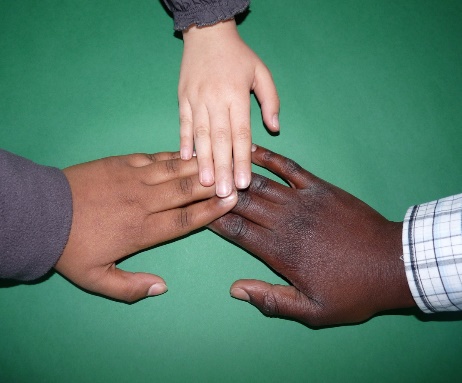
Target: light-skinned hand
(341, 257)
(218, 72)
(124, 204)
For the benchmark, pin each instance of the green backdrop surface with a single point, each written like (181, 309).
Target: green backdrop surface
(371, 96)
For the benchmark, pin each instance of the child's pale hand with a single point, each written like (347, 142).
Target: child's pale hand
(218, 71)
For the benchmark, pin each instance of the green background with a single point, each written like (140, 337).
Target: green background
(371, 100)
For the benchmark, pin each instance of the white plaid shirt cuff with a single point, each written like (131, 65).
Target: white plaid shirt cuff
(432, 253)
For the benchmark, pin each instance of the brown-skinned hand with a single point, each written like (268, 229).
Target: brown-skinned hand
(341, 257)
(124, 204)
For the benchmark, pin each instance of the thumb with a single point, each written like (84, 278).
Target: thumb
(129, 287)
(273, 300)
(267, 95)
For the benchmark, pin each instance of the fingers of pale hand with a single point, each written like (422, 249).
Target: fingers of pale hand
(203, 145)
(174, 223)
(176, 193)
(267, 95)
(129, 287)
(284, 167)
(186, 129)
(273, 300)
(242, 142)
(222, 150)
(169, 169)
(253, 237)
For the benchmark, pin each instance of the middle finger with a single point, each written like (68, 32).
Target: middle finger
(163, 171)
(222, 150)
(176, 193)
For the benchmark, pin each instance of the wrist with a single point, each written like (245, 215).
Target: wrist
(396, 291)
(219, 31)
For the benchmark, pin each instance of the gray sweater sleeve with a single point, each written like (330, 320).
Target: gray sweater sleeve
(35, 217)
(203, 12)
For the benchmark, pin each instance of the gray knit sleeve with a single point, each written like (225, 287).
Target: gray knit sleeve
(203, 12)
(35, 217)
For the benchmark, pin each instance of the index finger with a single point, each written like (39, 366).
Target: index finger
(283, 167)
(245, 233)
(138, 160)
(170, 224)
(168, 170)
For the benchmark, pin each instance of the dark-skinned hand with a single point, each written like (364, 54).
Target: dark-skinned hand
(341, 257)
(124, 204)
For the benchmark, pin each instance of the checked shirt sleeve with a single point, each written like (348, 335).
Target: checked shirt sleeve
(432, 253)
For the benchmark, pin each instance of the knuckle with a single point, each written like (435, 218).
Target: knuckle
(183, 218)
(221, 135)
(151, 157)
(322, 190)
(201, 132)
(242, 133)
(101, 283)
(268, 157)
(138, 159)
(291, 167)
(270, 305)
(236, 228)
(259, 183)
(185, 121)
(185, 186)
(130, 294)
(244, 200)
(213, 92)
(128, 200)
(171, 166)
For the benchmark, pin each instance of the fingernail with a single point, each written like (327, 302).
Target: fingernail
(157, 289)
(194, 153)
(254, 148)
(223, 189)
(276, 121)
(240, 294)
(185, 154)
(242, 181)
(206, 177)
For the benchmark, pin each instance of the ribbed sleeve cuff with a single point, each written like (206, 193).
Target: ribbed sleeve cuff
(203, 13)
(35, 217)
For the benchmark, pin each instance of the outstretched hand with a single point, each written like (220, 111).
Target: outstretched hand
(218, 72)
(341, 257)
(124, 204)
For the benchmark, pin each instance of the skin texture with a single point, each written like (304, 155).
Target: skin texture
(341, 257)
(218, 72)
(124, 204)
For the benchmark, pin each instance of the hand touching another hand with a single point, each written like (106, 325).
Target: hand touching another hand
(218, 71)
(341, 256)
(124, 204)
